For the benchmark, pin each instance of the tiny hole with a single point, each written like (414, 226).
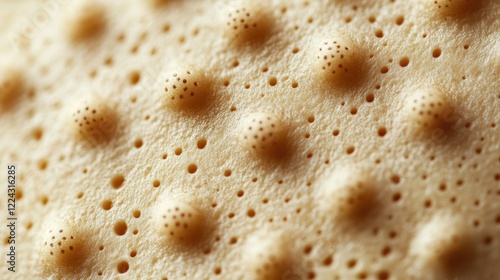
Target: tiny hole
(273, 81)
(156, 183)
(134, 77)
(138, 143)
(192, 168)
(117, 181)
(122, 267)
(382, 131)
(201, 143)
(137, 214)
(120, 228)
(251, 213)
(404, 62)
(436, 53)
(400, 20)
(106, 205)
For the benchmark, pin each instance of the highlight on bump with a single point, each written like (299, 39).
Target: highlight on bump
(266, 256)
(186, 89)
(347, 193)
(179, 222)
(85, 19)
(426, 108)
(442, 245)
(12, 85)
(250, 21)
(454, 8)
(263, 133)
(94, 120)
(336, 60)
(64, 248)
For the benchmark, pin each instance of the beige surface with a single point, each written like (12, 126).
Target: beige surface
(363, 186)
(19, 19)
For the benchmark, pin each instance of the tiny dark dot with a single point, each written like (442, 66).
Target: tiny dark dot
(192, 168)
(404, 62)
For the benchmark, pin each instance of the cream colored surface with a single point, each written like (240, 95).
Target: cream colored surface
(11, 14)
(433, 189)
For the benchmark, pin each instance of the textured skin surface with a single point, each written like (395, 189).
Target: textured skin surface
(162, 154)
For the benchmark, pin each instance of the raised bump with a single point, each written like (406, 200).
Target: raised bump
(179, 222)
(426, 108)
(336, 61)
(249, 22)
(186, 89)
(11, 85)
(94, 120)
(86, 19)
(263, 133)
(454, 7)
(158, 3)
(266, 256)
(442, 244)
(64, 248)
(347, 193)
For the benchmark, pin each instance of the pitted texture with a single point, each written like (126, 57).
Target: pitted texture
(224, 139)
